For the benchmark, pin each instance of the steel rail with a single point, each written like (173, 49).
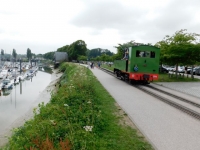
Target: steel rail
(172, 103)
(175, 96)
(166, 100)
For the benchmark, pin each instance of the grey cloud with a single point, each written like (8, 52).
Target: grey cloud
(21, 46)
(94, 32)
(132, 23)
(1, 31)
(107, 14)
(176, 16)
(173, 17)
(3, 12)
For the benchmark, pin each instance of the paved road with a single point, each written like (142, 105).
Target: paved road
(191, 88)
(164, 126)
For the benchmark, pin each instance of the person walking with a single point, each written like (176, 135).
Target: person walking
(92, 65)
(99, 64)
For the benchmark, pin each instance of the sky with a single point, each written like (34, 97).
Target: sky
(46, 25)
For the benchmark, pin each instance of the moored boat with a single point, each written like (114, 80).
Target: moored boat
(6, 84)
(4, 73)
(21, 78)
(1, 76)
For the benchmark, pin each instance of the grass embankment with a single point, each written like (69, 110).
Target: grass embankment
(111, 67)
(164, 77)
(80, 116)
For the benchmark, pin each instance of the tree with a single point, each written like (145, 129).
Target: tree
(63, 49)
(33, 55)
(81, 57)
(105, 57)
(14, 54)
(76, 48)
(39, 56)
(29, 54)
(98, 52)
(2, 53)
(180, 48)
(49, 55)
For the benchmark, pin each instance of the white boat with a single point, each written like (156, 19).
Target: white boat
(12, 81)
(27, 67)
(1, 76)
(30, 73)
(21, 78)
(6, 92)
(15, 81)
(3, 73)
(6, 84)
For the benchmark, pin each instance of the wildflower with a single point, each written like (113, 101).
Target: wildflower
(88, 128)
(89, 102)
(66, 105)
(53, 122)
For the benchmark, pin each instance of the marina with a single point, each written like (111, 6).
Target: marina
(19, 95)
(12, 73)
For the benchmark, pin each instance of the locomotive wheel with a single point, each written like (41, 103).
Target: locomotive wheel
(130, 81)
(127, 80)
(122, 78)
(116, 74)
(119, 75)
(126, 77)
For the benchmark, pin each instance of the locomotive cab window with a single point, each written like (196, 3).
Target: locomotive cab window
(153, 54)
(148, 54)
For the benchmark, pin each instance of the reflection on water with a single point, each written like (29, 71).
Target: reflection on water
(6, 92)
(17, 101)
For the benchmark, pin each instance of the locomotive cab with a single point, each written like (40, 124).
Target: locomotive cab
(142, 64)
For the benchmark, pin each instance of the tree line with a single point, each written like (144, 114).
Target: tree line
(77, 51)
(17, 57)
(181, 48)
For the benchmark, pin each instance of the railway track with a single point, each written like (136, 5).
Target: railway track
(185, 105)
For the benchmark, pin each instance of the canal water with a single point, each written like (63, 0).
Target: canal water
(18, 101)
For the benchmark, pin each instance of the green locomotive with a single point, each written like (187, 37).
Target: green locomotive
(140, 63)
